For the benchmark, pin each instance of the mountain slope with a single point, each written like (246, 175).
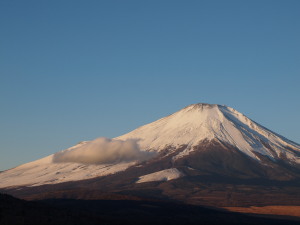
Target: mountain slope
(201, 139)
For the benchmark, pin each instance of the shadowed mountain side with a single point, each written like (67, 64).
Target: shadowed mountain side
(200, 190)
(222, 159)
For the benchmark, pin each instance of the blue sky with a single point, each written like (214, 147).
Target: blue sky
(77, 70)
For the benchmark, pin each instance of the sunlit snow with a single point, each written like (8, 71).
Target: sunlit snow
(163, 175)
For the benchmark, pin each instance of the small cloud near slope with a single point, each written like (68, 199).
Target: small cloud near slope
(103, 150)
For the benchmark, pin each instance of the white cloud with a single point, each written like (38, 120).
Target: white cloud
(103, 150)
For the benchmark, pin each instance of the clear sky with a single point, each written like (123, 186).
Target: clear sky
(77, 70)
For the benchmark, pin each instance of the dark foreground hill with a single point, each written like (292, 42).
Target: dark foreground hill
(62, 211)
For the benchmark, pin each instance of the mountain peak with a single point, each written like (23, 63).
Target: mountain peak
(208, 110)
(197, 113)
(187, 126)
(198, 122)
(200, 107)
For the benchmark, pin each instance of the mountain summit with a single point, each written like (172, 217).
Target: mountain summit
(199, 122)
(200, 139)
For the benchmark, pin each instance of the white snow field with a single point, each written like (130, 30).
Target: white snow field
(163, 175)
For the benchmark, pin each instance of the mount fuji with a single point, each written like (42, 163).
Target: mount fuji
(199, 143)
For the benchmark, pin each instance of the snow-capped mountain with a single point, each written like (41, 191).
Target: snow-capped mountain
(199, 122)
(198, 140)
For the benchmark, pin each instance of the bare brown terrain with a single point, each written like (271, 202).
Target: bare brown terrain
(282, 210)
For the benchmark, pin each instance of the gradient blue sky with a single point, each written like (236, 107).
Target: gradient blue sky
(77, 70)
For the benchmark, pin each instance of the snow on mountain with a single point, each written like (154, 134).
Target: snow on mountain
(45, 171)
(199, 122)
(53, 173)
(187, 127)
(163, 175)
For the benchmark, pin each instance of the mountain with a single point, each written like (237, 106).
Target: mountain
(199, 122)
(213, 134)
(200, 143)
